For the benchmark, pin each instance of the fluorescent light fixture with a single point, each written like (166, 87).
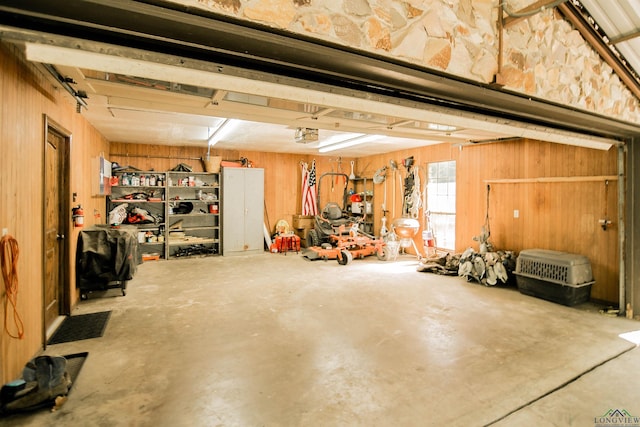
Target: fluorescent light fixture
(336, 139)
(350, 143)
(225, 128)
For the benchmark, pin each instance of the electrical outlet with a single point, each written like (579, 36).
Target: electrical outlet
(516, 213)
(5, 231)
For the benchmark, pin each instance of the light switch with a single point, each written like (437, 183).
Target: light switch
(516, 213)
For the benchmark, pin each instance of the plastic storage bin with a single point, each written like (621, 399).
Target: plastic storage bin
(555, 276)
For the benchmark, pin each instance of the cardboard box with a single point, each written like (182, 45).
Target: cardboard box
(302, 233)
(303, 221)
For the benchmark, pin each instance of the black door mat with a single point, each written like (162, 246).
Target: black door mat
(75, 362)
(81, 327)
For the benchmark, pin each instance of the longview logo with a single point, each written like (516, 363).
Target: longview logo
(617, 417)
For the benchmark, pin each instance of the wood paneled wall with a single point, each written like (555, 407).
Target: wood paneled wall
(395, 178)
(560, 215)
(26, 95)
(283, 172)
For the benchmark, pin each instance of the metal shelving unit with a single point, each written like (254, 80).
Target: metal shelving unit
(193, 214)
(364, 209)
(180, 213)
(145, 208)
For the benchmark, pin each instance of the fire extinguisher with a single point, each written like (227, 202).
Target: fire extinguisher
(78, 216)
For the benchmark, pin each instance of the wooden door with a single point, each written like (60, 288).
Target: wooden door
(53, 228)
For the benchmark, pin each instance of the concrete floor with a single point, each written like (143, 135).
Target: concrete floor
(275, 340)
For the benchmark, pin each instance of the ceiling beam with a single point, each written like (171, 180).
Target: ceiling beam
(625, 37)
(322, 112)
(218, 95)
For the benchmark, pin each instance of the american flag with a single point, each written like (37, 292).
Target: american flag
(309, 204)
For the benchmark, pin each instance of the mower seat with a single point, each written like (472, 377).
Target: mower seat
(334, 217)
(332, 212)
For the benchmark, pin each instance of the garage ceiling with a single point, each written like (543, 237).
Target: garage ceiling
(135, 109)
(162, 97)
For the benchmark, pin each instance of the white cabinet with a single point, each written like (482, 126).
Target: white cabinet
(243, 211)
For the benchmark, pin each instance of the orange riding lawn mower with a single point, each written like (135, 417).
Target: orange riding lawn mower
(338, 235)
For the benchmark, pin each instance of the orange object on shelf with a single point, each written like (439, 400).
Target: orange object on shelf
(230, 164)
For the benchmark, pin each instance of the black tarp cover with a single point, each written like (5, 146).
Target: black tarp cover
(106, 255)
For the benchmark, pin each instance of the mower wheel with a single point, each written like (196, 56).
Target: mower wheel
(384, 254)
(346, 257)
(312, 238)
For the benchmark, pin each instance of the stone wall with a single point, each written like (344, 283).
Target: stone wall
(547, 58)
(543, 55)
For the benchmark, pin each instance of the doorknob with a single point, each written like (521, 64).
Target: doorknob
(59, 236)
